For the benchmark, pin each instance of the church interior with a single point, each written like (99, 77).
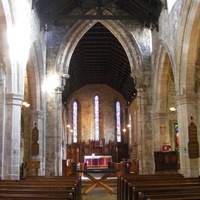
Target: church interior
(99, 84)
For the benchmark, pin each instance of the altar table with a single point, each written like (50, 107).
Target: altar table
(106, 173)
(97, 160)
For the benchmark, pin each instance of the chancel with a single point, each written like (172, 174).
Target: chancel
(97, 160)
(104, 86)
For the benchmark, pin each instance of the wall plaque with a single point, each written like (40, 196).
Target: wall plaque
(193, 145)
(35, 145)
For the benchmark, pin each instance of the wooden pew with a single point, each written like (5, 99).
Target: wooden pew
(60, 179)
(157, 184)
(174, 196)
(134, 187)
(42, 187)
(26, 194)
(164, 190)
(123, 181)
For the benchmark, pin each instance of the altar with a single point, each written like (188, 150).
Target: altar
(97, 160)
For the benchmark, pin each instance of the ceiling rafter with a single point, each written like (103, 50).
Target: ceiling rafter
(99, 58)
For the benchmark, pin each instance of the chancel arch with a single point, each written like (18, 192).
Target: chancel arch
(116, 28)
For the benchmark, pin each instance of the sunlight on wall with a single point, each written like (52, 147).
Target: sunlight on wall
(170, 4)
(19, 33)
(51, 83)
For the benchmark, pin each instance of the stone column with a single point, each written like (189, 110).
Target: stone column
(2, 121)
(54, 135)
(11, 143)
(186, 107)
(144, 134)
(38, 118)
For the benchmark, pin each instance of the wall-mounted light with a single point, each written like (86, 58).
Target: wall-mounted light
(124, 130)
(172, 110)
(25, 105)
(68, 126)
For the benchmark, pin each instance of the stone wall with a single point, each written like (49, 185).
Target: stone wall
(107, 98)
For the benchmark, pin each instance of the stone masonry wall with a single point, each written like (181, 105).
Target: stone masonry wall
(107, 97)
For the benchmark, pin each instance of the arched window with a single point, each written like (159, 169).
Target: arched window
(96, 117)
(118, 121)
(75, 122)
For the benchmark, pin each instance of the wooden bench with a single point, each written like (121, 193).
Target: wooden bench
(160, 183)
(41, 188)
(123, 181)
(127, 183)
(141, 193)
(60, 179)
(174, 196)
(155, 184)
(28, 195)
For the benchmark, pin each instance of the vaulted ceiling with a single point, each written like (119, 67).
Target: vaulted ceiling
(99, 58)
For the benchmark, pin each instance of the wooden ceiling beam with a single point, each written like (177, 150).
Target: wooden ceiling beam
(67, 8)
(151, 9)
(49, 18)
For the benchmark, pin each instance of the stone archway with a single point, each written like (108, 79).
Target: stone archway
(164, 75)
(116, 28)
(126, 38)
(35, 114)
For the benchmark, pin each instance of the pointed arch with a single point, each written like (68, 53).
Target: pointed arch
(115, 27)
(188, 45)
(163, 64)
(5, 15)
(35, 74)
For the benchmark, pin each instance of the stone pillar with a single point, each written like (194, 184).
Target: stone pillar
(144, 134)
(2, 121)
(54, 135)
(186, 107)
(38, 118)
(11, 143)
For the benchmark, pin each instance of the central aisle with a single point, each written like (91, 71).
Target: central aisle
(99, 193)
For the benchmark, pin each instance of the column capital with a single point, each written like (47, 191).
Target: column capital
(187, 98)
(138, 77)
(160, 115)
(39, 114)
(14, 99)
(65, 76)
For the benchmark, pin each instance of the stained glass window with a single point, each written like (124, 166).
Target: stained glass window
(176, 135)
(96, 117)
(75, 121)
(118, 121)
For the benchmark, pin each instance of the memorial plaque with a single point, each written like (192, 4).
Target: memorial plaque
(35, 149)
(193, 145)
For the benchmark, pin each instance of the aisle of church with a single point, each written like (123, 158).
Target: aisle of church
(99, 194)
